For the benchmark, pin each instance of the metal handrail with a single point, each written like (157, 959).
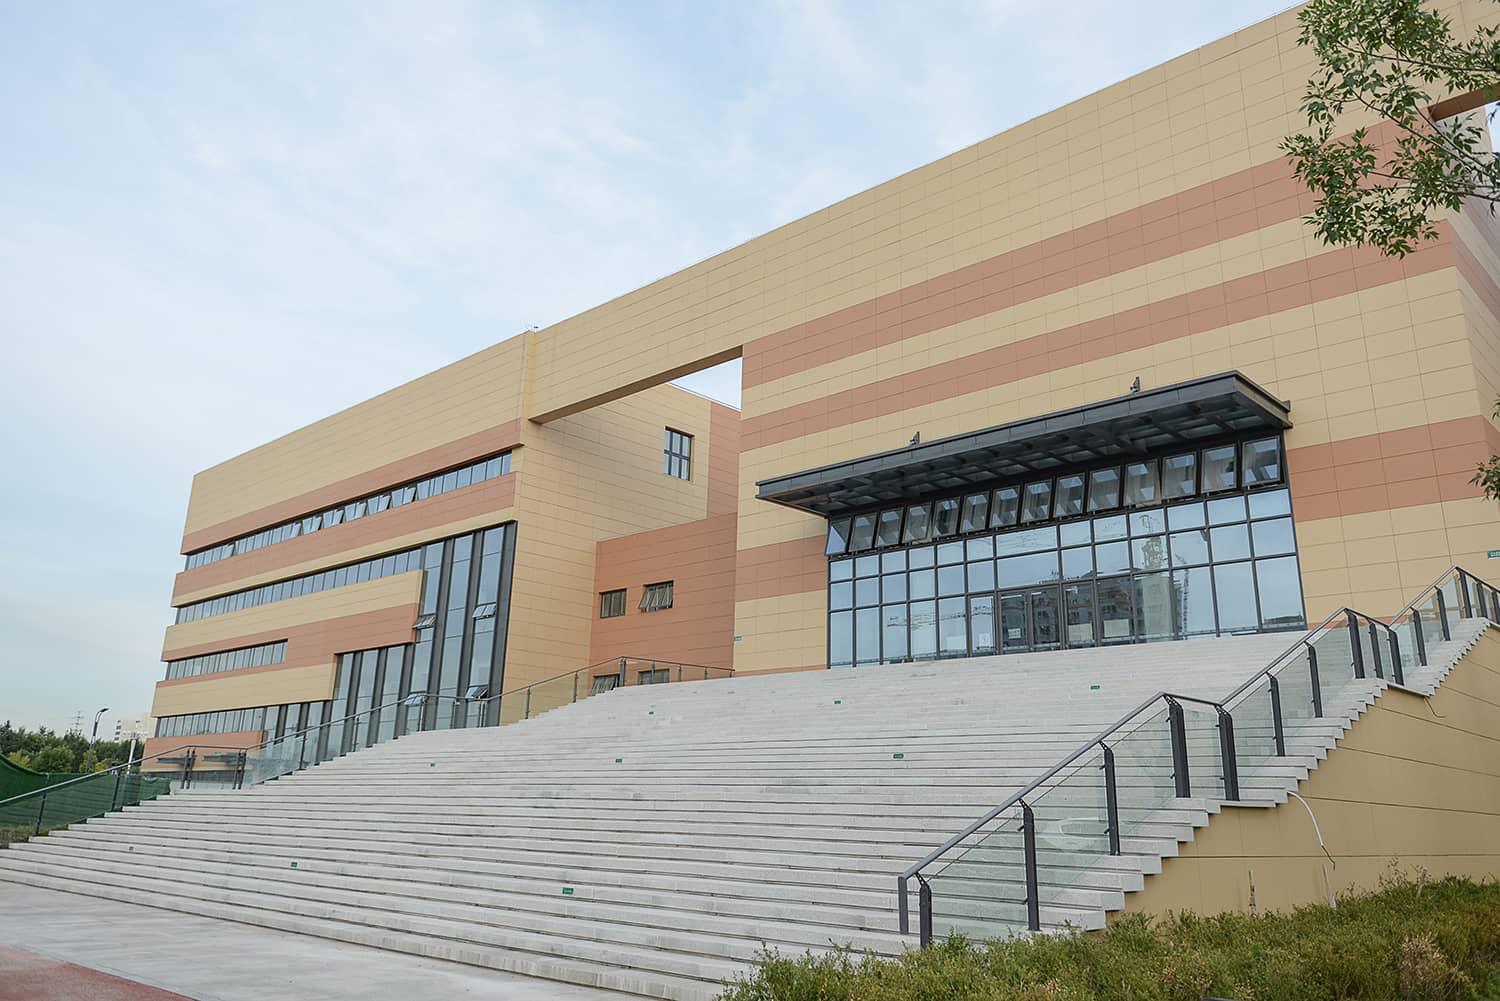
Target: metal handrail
(1227, 749)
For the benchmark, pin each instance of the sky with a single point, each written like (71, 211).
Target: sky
(220, 222)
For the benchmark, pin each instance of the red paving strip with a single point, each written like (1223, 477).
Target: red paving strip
(27, 976)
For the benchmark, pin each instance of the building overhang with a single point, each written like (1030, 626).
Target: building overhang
(1180, 415)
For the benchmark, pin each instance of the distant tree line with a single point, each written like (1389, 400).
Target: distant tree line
(42, 750)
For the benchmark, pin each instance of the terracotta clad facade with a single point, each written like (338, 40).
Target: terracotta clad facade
(1150, 230)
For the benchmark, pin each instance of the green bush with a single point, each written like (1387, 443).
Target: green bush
(1433, 943)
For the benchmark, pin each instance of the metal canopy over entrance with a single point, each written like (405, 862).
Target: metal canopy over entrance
(1127, 426)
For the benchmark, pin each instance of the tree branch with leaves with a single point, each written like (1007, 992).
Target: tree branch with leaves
(1393, 59)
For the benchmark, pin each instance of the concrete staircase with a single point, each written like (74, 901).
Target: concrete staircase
(655, 839)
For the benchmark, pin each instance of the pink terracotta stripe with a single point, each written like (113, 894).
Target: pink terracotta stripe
(1231, 206)
(1325, 276)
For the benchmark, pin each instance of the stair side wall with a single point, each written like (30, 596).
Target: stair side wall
(1415, 782)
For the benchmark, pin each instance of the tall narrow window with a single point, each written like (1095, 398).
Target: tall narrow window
(657, 597)
(612, 604)
(945, 520)
(918, 523)
(677, 456)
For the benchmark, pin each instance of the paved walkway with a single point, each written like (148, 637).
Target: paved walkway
(62, 946)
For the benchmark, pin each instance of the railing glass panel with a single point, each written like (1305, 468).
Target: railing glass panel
(981, 891)
(1072, 826)
(1143, 769)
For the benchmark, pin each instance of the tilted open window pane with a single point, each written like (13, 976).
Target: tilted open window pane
(975, 513)
(1219, 468)
(1006, 509)
(1037, 505)
(838, 537)
(888, 530)
(656, 597)
(1104, 489)
(1179, 476)
(947, 517)
(918, 523)
(1262, 461)
(1140, 483)
(1069, 495)
(864, 533)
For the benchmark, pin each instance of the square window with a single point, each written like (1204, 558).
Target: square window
(656, 597)
(611, 604)
(863, 535)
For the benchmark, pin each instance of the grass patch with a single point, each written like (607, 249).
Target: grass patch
(1400, 943)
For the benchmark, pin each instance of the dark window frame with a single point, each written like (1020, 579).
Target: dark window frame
(658, 597)
(677, 455)
(612, 603)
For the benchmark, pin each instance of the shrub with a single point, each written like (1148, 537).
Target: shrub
(1435, 943)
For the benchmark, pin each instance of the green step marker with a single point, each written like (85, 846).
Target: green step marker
(294, 865)
(619, 760)
(898, 756)
(838, 702)
(567, 891)
(1093, 688)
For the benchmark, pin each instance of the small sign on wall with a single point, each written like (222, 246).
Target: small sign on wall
(1493, 554)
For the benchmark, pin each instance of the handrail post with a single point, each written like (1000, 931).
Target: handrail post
(1359, 654)
(1375, 650)
(239, 771)
(1421, 641)
(903, 920)
(1463, 593)
(187, 767)
(1226, 754)
(1028, 843)
(1397, 675)
(1178, 728)
(575, 686)
(41, 811)
(621, 682)
(1111, 799)
(1316, 684)
(1443, 613)
(114, 797)
(527, 714)
(1276, 722)
(924, 912)
(1479, 589)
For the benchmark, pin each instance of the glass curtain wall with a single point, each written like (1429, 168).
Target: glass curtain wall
(458, 642)
(1185, 544)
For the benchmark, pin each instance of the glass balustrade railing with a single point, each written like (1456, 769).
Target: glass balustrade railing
(1133, 778)
(199, 764)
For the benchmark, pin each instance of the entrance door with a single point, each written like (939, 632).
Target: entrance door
(1031, 620)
